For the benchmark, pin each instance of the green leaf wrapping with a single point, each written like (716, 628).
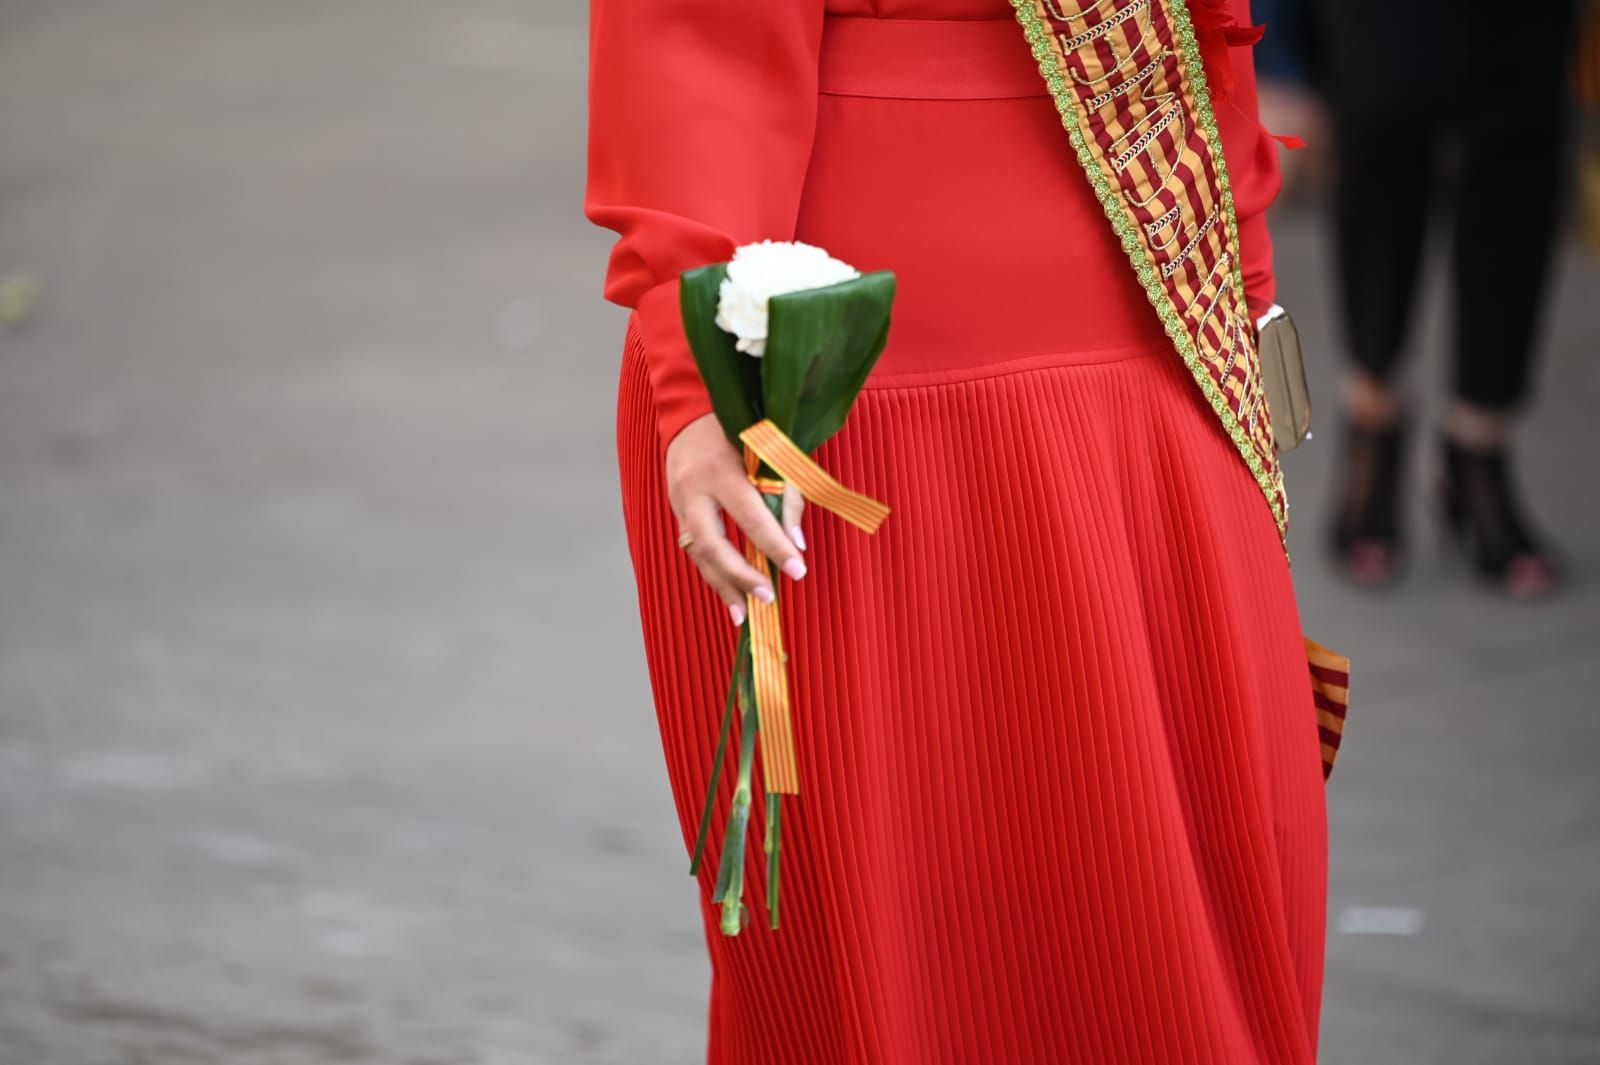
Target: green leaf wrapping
(821, 345)
(732, 378)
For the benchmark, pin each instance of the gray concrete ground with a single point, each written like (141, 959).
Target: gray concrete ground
(324, 731)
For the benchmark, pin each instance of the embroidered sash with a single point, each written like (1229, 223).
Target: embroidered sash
(1127, 79)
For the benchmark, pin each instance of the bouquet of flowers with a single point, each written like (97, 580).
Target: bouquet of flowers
(784, 336)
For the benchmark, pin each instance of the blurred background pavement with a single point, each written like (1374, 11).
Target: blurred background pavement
(325, 734)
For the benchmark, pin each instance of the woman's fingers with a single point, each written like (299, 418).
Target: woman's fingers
(794, 505)
(730, 594)
(745, 505)
(705, 477)
(720, 563)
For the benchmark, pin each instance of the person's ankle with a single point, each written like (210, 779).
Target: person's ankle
(1474, 428)
(1370, 403)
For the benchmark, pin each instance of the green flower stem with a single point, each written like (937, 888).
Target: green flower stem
(729, 890)
(774, 811)
(741, 652)
(730, 877)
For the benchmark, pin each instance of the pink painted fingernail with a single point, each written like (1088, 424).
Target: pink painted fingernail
(797, 536)
(763, 593)
(795, 568)
(737, 610)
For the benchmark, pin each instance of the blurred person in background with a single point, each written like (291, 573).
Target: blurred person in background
(1586, 84)
(1288, 67)
(1406, 77)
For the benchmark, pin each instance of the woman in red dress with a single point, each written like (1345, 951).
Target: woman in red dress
(1061, 796)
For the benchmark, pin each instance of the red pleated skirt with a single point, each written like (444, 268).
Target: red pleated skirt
(1061, 793)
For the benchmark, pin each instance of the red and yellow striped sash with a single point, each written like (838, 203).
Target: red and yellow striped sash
(1129, 84)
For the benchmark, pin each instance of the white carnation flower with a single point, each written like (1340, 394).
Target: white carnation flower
(761, 271)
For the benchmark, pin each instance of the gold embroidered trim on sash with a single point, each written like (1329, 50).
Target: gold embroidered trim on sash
(1157, 106)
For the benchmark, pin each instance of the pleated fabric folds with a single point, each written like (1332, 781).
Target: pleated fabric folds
(1061, 794)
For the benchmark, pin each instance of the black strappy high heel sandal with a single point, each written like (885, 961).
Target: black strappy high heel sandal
(1367, 545)
(1482, 515)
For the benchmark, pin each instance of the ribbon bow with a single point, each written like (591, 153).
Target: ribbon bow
(765, 443)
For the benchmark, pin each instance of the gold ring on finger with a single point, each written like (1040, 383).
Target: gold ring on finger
(686, 540)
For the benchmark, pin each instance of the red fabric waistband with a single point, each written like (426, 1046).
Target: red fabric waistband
(925, 59)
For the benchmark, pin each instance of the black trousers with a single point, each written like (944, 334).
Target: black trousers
(1408, 80)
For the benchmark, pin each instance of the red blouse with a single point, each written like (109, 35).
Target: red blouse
(702, 114)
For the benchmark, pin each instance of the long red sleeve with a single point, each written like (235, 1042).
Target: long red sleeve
(1252, 157)
(701, 115)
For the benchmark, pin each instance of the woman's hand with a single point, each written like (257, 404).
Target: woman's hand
(705, 479)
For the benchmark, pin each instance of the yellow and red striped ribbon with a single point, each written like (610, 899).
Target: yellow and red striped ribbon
(1330, 687)
(765, 442)
(769, 444)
